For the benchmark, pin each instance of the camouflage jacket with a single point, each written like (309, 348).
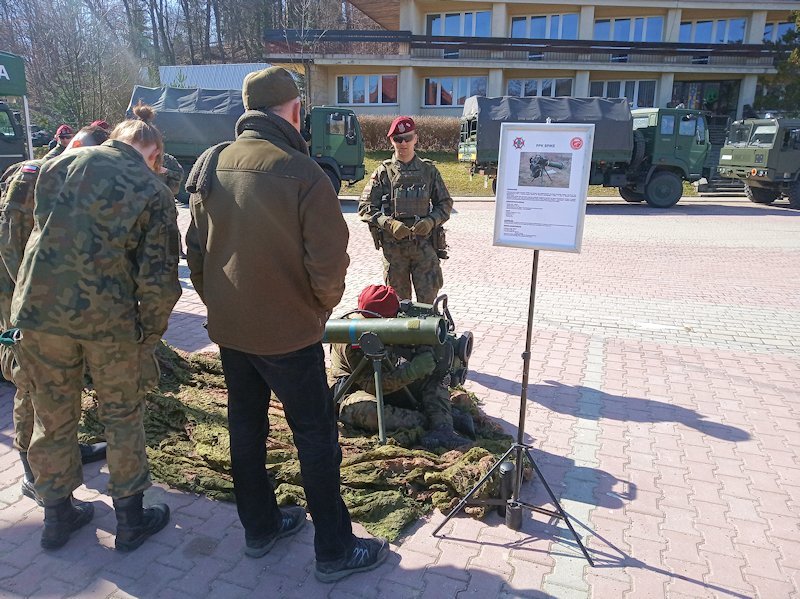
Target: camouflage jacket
(173, 177)
(345, 359)
(101, 262)
(380, 184)
(57, 150)
(16, 213)
(16, 222)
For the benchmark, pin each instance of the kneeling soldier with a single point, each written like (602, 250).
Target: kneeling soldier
(427, 407)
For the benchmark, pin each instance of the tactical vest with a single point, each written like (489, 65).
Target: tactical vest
(411, 194)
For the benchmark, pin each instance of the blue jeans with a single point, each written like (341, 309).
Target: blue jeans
(298, 380)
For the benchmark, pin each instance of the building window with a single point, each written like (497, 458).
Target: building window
(640, 94)
(774, 32)
(717, 31)
(554, 27)
(629, 29)
(366, 89)
(530, 88)
(460, 24)
(452, 91)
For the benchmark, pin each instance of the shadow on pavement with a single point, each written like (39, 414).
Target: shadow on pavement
(88, 566)
(695, 208)
(574, 401)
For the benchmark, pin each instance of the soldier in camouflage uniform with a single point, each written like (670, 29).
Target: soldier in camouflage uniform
(405, 203)
(427, 407)
(16, 223)
(171, 173)
(62, 138)
(97, 284)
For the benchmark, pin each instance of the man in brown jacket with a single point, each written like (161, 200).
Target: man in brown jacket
(267, 253)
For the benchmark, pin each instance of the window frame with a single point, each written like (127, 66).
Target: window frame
(457, 83)
(713, 38)
(631, 28)
(366, 76)
(554, 83)
(548, 24)
(622, 83)
(461, 21)
(773, 35)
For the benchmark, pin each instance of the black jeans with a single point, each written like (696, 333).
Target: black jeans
(298, 380)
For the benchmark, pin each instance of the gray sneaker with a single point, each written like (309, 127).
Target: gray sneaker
(366, 554)
(292, 520)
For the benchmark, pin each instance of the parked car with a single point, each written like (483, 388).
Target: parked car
(39, 136)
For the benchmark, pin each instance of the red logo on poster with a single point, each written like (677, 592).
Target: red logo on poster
(576, 143)
(519, 143)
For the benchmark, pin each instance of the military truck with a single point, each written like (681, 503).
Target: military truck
(647, 153)
(765, 155)
(15, 139)
(195, 119)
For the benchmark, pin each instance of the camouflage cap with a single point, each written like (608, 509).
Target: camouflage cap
(271, 87)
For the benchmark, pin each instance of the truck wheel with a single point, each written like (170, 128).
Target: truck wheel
(335, 180)
(794, 195)
(629, 195)
(760, 195)
(663, 190)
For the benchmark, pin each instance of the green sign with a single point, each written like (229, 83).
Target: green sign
(12, 75)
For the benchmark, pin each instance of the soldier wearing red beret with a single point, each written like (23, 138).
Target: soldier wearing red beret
(405, 204)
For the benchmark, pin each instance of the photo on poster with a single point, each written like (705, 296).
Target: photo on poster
(545, 169)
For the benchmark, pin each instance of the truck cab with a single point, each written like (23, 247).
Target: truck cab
(765, 155)
(336, 144)
(675, 138)
(13, 143)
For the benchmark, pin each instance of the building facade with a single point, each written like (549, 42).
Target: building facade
(433, 54)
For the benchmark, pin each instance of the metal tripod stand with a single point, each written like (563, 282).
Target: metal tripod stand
(375, 354)
(513, 505)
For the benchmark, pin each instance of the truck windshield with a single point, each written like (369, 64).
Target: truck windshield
(7, 126)
(763, 135)
(739, 135)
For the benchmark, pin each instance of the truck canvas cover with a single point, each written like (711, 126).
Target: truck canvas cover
(192, 119)
(611, 117)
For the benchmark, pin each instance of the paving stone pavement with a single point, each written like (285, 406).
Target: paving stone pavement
(663, 410)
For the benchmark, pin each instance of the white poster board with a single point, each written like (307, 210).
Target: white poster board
(542, 183)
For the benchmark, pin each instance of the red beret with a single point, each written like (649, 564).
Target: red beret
(402, 124)
(64, 130)
(101, 123)
(380, 299)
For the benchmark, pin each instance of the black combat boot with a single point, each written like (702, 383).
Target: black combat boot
(92, 453)
(27, 479)
(63, 517)
(443, 436)
(135, 524)
(463, 423)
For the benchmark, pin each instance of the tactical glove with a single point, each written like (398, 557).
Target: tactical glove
(422, 365)
(423, 227)
(398, 229)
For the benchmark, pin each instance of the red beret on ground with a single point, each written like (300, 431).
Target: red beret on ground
(64, 131)
(380, 299)
(402, 124)
(101, 123)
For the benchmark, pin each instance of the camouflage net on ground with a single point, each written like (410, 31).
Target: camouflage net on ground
(385, 487)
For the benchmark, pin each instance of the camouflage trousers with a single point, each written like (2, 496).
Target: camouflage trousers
(23, 407)
(414, 261)
(121, 373)
(360, 409)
